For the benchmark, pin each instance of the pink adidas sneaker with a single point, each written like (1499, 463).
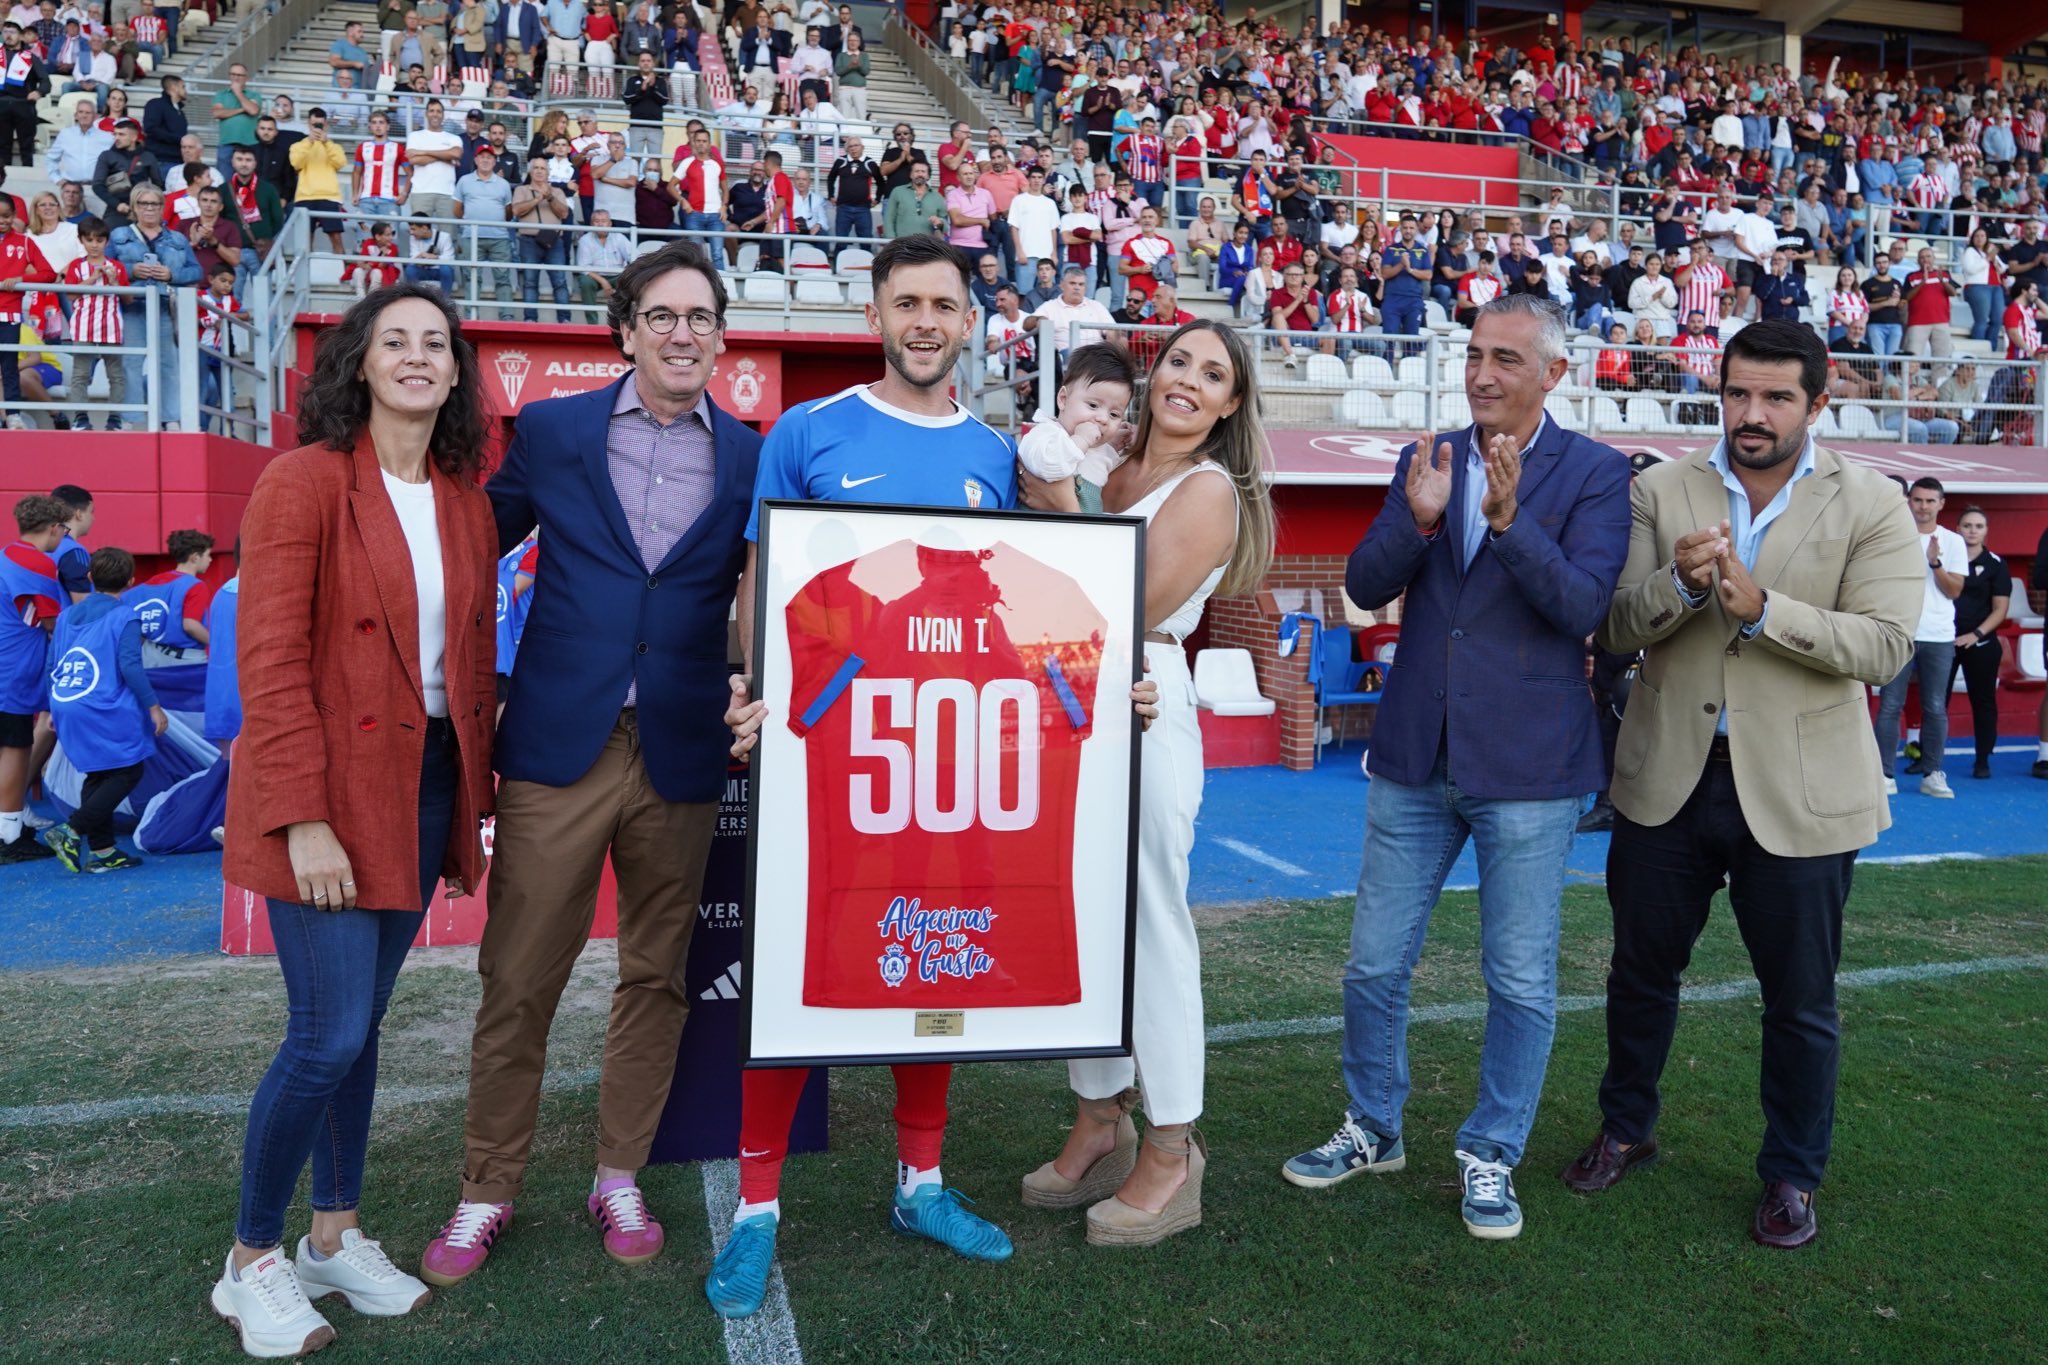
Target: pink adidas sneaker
(630, 1236)
(465, 1243)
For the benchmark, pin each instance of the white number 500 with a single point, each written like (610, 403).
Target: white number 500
(912, 774)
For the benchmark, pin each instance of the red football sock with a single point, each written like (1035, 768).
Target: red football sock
(920, 1113)
(768, 1101)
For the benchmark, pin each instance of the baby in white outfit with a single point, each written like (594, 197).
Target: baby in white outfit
(1086, 440)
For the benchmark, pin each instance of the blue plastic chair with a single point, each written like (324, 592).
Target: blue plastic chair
(1337, 678)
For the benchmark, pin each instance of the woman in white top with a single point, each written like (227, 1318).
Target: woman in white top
(1982, 276)
(59, 239)
(1197, 474)
(1845, 304)
(1259, 286)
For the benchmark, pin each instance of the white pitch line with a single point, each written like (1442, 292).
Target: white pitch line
(1258, 855)
(220, 1106)
(769, 1335)
(1254, 1029)
(1916, 859)
(157, 1106)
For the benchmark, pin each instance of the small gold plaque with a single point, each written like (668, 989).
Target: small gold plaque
(940, 1024)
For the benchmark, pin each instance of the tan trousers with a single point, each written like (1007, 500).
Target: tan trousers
(549, 851)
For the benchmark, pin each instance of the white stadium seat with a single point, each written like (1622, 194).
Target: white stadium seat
(1327, 371)
(765, 287)
(1453, 411)
(1646, 414)
(747, 259)
(818, 291)
(1860, 424)
(2030, 661)
(855, 261)
(1373, 372)
(1413, 372)
(1227, 684)
(1363, 408)
(806, 257)
(1607, 414)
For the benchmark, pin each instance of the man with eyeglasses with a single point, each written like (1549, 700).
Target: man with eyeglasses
(610, 744)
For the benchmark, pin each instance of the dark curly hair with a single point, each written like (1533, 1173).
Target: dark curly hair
(335, 406)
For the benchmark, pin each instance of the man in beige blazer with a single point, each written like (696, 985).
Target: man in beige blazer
(1769, 582)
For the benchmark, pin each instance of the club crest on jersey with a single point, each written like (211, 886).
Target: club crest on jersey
(973, 490)
(940, 939)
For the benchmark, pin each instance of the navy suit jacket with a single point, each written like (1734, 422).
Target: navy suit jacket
(1492, 659)
(600, 620)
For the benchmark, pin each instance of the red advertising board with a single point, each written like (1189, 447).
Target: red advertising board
(746, 382)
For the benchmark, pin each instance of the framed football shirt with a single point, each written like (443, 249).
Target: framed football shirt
(945, 838)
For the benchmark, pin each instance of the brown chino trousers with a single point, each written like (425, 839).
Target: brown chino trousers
(545, 863)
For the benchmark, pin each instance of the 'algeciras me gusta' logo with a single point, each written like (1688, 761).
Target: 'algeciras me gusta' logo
(75, 675)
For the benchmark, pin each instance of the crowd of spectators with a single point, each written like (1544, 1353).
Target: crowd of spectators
(1876, 207)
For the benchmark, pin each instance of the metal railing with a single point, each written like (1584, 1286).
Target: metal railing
(76, 361)
(957, 93)
(1373, 381)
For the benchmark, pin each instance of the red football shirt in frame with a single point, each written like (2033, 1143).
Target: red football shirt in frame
(943, 697)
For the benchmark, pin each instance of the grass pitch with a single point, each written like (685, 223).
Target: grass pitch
(111, 1231)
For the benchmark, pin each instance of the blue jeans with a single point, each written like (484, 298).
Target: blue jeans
(1987, 311)
(851, 221)
(441, 277)
(1042, 100)
(1781, 157)
(1401, 316)
(1885, 337)
(143, 373)
(712, 228)
(1933, 663)
(1412, 836)
(531, 252)
(1187, 201)
(339, 967)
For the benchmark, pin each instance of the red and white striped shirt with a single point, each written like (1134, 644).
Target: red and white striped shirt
(1848, 304)
(1146, 157)
(1928, 190)
(2020, 317)
(96, 318)
(1346, 309)
(181, 207)
(379, 163)
(1703, 353)
(2027, 130)
(697, 181)
(1702, 293)
(213, 328)
(1570, 81)
(1480, 290)
(148, 29)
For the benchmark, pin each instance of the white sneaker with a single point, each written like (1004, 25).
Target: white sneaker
(363, 1274)
(1936, 784)
(268, 1309)
(31, 820)
(1891, 786)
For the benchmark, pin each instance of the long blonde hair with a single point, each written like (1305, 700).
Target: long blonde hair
(1238, 443)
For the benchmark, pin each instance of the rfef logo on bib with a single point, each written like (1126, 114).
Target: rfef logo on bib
(151, 615)
(75, 675)
(504, 603)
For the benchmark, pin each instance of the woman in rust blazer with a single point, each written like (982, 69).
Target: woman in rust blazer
(367, 647)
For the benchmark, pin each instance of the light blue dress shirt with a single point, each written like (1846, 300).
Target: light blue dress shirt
(1476, 529)
(1746, 530)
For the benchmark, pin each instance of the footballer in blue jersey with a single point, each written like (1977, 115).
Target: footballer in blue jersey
(901, 440)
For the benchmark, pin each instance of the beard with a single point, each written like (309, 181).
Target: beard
(902, 360)
(1779, 450)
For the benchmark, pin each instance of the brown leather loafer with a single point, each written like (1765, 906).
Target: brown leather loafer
(1604, 1162)
(1784, 1217)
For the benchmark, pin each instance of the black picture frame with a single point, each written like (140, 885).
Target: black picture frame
(1135, 528)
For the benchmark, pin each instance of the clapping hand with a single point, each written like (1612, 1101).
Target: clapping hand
(1429, 483)
(1934, 551)
(1503, 477)
(1741, 598)
(1698, 553)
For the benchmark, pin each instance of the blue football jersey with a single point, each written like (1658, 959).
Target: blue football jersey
(852, 447)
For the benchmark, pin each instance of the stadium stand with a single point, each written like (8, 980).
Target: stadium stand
(1515, 159)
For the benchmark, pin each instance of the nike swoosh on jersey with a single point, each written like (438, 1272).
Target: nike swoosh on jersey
(846, 482)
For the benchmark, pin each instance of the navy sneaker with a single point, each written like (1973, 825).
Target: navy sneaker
(940, 1215)
(1489, 1207)
(25, 847)
(1350, 1150)
(739, 1277)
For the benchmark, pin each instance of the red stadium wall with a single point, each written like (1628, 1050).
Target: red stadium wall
(1433, 172)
